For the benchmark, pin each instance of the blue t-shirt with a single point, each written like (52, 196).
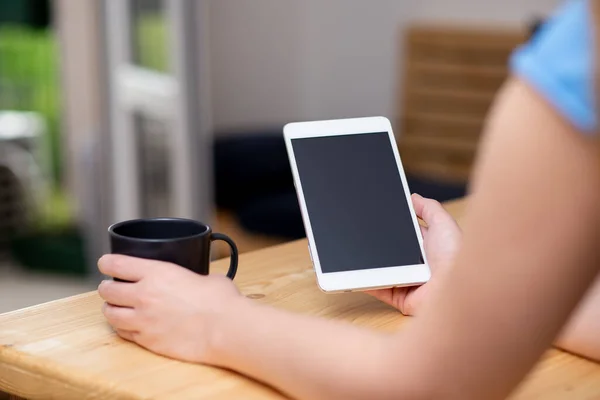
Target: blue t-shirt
(558, 62)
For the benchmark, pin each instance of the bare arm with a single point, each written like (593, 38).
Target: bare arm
(533, 220)
(582, 333)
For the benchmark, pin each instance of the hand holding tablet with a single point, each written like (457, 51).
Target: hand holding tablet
(361, 227)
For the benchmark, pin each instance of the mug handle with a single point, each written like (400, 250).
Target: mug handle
(233, 264)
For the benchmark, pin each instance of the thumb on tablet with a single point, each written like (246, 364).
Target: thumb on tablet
(430, 211)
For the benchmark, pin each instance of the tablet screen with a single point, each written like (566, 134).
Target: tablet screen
(356, 202)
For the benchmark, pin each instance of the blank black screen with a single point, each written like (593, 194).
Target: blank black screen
(356, 202)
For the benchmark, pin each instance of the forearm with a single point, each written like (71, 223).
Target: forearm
(582, 333)
(309, 358)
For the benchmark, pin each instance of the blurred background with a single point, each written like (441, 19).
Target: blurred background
(117, 109)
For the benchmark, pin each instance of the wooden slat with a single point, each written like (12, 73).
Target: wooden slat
(447, 101)
(450, 79)
(440, 54)
(436, 143)
(458, 69)
(471, 95)
(447, 119)
(433, 125)
(474, 37)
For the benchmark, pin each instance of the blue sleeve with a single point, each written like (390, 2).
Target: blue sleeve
(558, 64)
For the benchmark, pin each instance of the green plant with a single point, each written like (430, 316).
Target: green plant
(152, 41)
(55, 214)
(29, 81)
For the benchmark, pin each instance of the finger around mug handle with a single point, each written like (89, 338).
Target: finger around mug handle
(233, 264)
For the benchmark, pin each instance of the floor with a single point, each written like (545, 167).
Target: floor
(19, 288)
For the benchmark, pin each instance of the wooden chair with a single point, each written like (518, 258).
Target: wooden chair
(451, 76)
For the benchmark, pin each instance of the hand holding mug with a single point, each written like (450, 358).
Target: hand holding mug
(168, 309)
(162, 297)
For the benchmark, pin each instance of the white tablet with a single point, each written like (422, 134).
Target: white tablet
(361, 227)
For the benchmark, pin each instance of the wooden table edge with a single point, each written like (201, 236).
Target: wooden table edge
(14, 363)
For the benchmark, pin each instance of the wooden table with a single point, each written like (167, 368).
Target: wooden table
(65, 350)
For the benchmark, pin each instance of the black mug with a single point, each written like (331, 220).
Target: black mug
(176, 240)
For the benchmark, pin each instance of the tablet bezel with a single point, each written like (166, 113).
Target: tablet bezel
(359, 280)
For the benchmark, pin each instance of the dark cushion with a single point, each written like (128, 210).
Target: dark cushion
(276, 215)
(250, 165)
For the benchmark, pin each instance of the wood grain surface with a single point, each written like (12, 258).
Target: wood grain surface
(65, 349)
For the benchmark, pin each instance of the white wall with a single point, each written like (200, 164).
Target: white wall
(352, 48)
(257, 49)
(275, 61)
